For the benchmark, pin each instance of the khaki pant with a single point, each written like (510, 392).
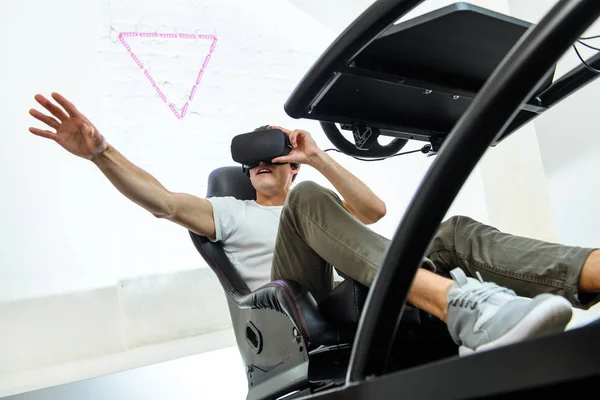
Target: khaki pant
(316, 232)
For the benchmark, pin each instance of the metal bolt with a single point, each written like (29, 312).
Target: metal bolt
(297, 336)
(455, 97)
(427, 91)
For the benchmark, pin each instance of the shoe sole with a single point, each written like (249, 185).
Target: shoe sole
(550, 316)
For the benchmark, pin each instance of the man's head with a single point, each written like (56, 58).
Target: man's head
(273, 179)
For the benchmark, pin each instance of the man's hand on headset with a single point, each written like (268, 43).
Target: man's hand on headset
(304, 148)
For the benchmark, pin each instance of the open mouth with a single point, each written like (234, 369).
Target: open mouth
(263, 171)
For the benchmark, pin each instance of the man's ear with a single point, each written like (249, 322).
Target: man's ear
(295, 169)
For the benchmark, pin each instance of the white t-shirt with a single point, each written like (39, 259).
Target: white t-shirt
(247, 231)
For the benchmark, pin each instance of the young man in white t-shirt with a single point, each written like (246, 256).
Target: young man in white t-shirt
(300, 234)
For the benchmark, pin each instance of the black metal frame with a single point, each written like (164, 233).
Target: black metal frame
(375, 23)
(525, 365)
(512, 83)
(567, 363)
(366, 28)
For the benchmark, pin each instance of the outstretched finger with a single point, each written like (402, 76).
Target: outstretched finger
(43, 133)
(67, 105)
(282, 159)
(53, 108)
(48, 120)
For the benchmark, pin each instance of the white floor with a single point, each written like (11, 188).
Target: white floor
(217, 374)
(205, 357)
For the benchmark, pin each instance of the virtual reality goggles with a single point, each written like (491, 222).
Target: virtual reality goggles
(264, 144)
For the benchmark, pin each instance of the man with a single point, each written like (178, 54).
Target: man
(299, 234)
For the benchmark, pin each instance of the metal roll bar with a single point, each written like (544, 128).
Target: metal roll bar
(512, 83)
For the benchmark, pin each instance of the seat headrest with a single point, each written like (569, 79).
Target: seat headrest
(230, 181)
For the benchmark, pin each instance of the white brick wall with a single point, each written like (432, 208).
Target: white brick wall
(85, 233)
(258, 60)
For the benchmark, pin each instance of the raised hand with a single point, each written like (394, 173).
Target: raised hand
(72, 130)
(304, 147)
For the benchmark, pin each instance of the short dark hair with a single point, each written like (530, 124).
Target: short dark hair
(294, 165)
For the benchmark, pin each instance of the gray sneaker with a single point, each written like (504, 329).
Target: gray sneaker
(483, 315)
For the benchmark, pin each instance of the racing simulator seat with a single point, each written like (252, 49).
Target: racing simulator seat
(462, 78)
(288, 342)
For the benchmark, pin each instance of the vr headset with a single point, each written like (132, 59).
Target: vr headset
(264, 144)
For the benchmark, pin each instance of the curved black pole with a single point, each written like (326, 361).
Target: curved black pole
(511, 84)
(380, 15)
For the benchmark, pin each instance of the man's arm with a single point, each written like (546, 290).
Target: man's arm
(358, 198)
(76, 134)
(137, 185)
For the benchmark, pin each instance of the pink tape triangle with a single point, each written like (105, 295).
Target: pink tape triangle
(122, 39)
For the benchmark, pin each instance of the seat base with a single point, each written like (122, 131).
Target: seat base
(278, 362)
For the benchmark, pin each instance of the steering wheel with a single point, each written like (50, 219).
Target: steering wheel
(365, 139)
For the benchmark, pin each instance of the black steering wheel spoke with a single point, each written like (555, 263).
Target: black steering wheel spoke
(365, 143)
(365, 137)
